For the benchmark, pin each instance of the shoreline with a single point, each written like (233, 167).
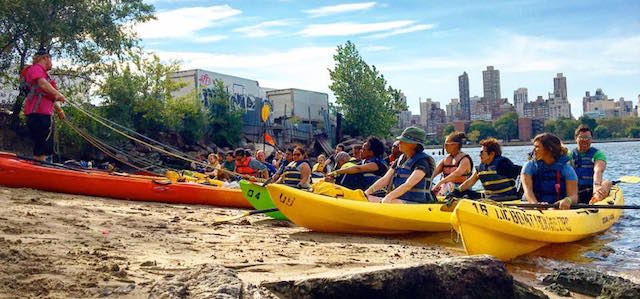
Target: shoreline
(521, 143)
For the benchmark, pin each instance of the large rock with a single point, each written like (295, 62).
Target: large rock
(461, 277)
(205, 281)
(593, 283)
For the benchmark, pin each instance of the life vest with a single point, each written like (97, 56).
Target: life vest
(243, 167)
(292, 174)
(449, 167)
(583, 166)
(363, 180)
(549, 184)
(32, 91)
(420, 192)
(495, 185)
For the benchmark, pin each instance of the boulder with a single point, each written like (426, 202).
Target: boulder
(204, 281)
(593, 283)
(460, 277)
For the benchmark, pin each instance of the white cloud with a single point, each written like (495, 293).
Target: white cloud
(305, 67)
(340, 8)
(376, 48)
(348, 28)
(209, 39)
(263, 29)
(184, 22)
(414, 28)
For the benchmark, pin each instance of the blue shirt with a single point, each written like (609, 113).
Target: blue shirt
(567, 171)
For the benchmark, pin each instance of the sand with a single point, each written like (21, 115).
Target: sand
(59, 245)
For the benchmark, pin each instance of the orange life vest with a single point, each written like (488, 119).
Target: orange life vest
(243, 168)
(449, 167)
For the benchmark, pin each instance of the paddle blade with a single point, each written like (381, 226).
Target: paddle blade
(230, 218)
(630, 179)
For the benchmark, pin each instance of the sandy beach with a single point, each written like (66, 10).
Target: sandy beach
(58, 245)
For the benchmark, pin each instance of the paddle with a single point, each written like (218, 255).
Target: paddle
(573, 206)
(451, 204)
(51, 164)
(245, 214)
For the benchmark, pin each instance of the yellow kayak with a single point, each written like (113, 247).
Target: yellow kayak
(336, 215)
(510, 232)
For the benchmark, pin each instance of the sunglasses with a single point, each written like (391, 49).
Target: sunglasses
(584, 138)
(297, 154)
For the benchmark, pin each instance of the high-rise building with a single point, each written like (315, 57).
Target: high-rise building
(463, 90)
(520, 97)
(432, 118)
(538, 109)
(560, 86)
(454, 111)
(480, 109)
(491, 88)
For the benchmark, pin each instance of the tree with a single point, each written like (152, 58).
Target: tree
(484, 128)
(368, 105)
(564, 128)
(85, 33)
(633, 132)
(601, 132)
(447, 130)
(588, 121)
(507, 126)
(473, 136)
(225, 123)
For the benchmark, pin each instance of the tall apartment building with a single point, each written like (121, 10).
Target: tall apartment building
(538, 109)
(520, 97)
(432, 118)
(454, 110)
(560, 86)
(463, 90)
(491, 88)
(480, 109)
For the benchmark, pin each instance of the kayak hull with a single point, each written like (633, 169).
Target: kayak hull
(506, 233)
(18, 173)
(259, 198)
(336, 215)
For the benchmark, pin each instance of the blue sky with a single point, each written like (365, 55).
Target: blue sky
(419, 46)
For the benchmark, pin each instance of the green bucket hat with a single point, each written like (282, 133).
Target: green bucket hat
(413, 135)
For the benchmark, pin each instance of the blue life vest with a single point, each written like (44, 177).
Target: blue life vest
(363, 180)
(549, 183)
(420, 192)
(292, 174)
(584, 167)
(495, 185)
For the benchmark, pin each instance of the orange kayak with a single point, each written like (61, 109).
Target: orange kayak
(20, 173)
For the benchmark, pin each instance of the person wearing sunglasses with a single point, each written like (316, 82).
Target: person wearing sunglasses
(298, 172)
(589, 164)
(395, 153)
(410, 175)
(288, 157)
(371, 168)
(455, 167)
(549, 178)
(248, 166)
(496, 173)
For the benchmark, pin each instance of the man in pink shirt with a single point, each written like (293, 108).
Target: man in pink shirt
(43, 96)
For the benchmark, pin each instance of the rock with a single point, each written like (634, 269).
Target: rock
(148, 264)
(558, 289)
(593, 283)
(460, 277)
(205, 281)
(523, 291)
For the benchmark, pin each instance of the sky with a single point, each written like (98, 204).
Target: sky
(421, 47)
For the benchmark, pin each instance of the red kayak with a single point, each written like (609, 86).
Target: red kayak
(21, 173)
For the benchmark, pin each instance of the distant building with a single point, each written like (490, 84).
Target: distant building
(454, 110)
(491, 88)
(432, 117)
(463, 90)
(559, 106)
(560, 86)
(538, 109)
(404, 117)
(638, 106)
(461, 125)
(505, 107)
(600, 106)
(528, 127)
(480, 109)
(520, 97)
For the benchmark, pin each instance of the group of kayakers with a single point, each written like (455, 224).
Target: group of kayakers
(553, 175)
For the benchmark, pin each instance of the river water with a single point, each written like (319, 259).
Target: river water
(617, 249)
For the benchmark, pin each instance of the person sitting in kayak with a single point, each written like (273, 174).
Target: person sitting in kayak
(589, 164)
(410, 175)
(395, 153)
(261, 156)
(248, 166)
(320, 169)
(288, 157)
(298, 172)
(549, 178)
(455, 167)
(342, 162)
(496, 173)
(356, 151)
(368, 171)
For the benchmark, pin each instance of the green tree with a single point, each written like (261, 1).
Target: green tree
(564, 128)
(368, 105)
(473, 136)
(225, 123)
(85, 33)
(484, 128)
(633, 132)
(602, 132)
(588, 121)
(187, 117)
(507, 126)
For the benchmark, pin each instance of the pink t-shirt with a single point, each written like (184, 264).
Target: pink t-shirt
(35, 72)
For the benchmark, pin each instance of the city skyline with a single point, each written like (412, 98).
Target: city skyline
(420, 48)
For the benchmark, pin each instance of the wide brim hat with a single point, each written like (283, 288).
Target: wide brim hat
(413, 135)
